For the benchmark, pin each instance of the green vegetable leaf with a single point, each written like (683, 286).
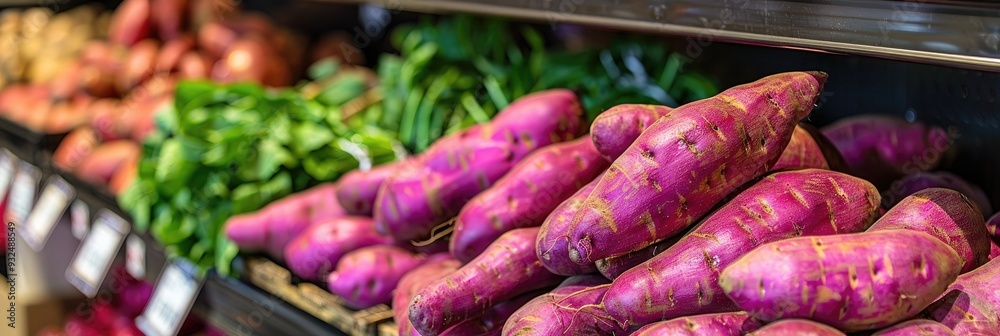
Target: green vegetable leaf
(308, 137)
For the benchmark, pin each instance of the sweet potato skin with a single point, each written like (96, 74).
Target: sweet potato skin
(721, 324)
(315, 251)
(809, 202)
(994, 250)
(913, 183)
(613, 267)
(965, 314)
(575, 313)
(918, 327)
(614, 130)
(435, 267)
(506, 269)
(273, 227)
(524, 196)
(867, 281)
(993, 227)
(801, 152)
(881, 149)
(552, 241)
(367, 276)
(492, 322)
(359, 188)
(689, 160)
(947, 215)
(459, 166)
(796, 327)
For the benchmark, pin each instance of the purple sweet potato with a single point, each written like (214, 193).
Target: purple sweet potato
(358, 189)
(881, 149)
(491, 323)
(576, 313)
(613, 267)
(584, 280)
(525, 195)
(721, 324)
(981, 283)
(552, 240)
(614, 130)
(687, 161)
(271, 228)
(993, 227)
(796, 327)
(994, 250)
(853, 282)
(809, 202)
(313, 254)
(436, 184)
(965, 314)
(366, 277)
(435, 267)
(506, 269)
(918, 327)
(916, 182)
(802, 152)
(947, 215)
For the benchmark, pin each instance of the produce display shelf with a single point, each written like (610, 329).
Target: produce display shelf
(964, 35)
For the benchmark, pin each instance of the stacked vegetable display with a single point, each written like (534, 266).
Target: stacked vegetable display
(719, 217)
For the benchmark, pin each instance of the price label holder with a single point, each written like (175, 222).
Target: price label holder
(135, 257)
(80, 219)
(22, 193)
(47, 211)
(92, 261)
(172, 300)
(7, 169)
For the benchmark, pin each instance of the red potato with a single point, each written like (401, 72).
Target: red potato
(173, 50)
(313, 254)
(689, 160)
(456, 168)
(215, 38)
(359, 188)
(168, 15)
(576, 313)
(367, 276)
(68, 115)
(809, 202)
(918, 327)
(436, 267)
(194, 65)
(796, 327)
(721, 324)
(106, 159)
(471, 291)
(948, 216)
(881, 149)
(853, 282)
(130, 22)
(138, 66)
(614, 130)
(77, 145)
(552, 240)
(524, 196)
(913, 183)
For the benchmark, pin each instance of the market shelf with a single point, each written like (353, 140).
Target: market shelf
(965, 34)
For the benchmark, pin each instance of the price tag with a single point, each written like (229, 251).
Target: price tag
(171, 301)
(91, 263)
(7, 169)
(22, 193)
(48, 210)
(80, 218)
(135, 257)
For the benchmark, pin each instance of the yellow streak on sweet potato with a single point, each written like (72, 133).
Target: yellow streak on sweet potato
(647, 219)
(690, 145)
(682, 207)
(604, 210)
(887, 264)
(530, 143)
(732, 102)
(838, 189)
(758, 217)
(765, 206)
(770, 128)
(852, 274)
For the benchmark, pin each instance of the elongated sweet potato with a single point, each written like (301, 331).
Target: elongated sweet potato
(982, 284)
(809, 202)
(105, 159)
(808, 149)
(947, 215)
(584, 280)
(313, 253)
(130, 22)
(168, 15)
(613, 267)
(796, 327)
(77, 146)
(460, 166)
(436, 267)
(552, 241)
(881, 149)
(367, 276)
(918, 327)
(721, 324)
(171, 53)
(358, 189)
(916, 182)
(491, 323)
(576, 313)
(614, 130)
(853, 282)
(525, 195)
(687, 161)
(965, 314)
(273, 227)
(506, 269)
